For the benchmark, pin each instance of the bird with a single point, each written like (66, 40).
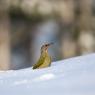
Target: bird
(45, 59)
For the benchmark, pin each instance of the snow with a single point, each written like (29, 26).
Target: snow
(74, 76)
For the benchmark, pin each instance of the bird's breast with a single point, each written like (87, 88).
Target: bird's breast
(46, 62)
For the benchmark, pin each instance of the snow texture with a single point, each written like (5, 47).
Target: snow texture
(74, 76)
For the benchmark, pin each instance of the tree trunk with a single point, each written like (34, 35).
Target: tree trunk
(4, 39)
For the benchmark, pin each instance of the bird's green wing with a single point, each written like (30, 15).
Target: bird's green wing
(40, 61)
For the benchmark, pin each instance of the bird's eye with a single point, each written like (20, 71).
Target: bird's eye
(46, 45)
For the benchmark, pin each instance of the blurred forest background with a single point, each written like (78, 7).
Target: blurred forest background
(25, 25)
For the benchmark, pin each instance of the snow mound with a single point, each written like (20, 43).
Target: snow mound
(74, 76)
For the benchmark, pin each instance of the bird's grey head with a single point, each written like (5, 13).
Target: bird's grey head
(45, 47)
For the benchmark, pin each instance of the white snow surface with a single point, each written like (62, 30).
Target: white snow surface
(74, 76)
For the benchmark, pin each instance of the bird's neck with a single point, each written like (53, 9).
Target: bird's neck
(44, 53)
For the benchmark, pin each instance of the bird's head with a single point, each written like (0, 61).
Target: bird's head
(45, 47)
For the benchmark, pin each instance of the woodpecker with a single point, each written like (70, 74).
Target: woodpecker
(45, 59)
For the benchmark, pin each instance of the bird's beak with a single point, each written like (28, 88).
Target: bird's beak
(49, 44)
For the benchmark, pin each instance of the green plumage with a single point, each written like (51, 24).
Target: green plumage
(44, 60)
